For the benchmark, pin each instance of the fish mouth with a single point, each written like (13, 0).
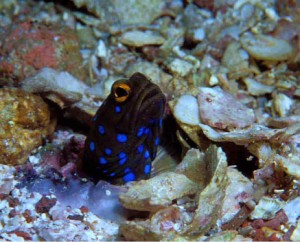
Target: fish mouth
(150, 102)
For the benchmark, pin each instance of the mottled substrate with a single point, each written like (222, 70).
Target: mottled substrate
(27, 47)
(230, 71)
(25, 121)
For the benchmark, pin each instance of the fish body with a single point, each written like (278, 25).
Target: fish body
(124, 136)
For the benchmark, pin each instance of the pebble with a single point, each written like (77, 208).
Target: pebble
(186, 110)
(264, 47)
(179, 67)
(137, 38)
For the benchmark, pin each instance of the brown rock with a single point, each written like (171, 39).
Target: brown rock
(45, 204)
(25, 119)
(22, 234)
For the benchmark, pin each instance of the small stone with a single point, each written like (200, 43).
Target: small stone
(101, 49)
(282, 104)
(213, 80)
(180, 67)
(186, 110)
(199, 34)
(76, 217)
(137, 38)
(267, 208)
(264, 47)
(256, 88)
(138, 12)
(45, 204)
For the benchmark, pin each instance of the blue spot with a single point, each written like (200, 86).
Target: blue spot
(146, 155)
(127, 170)
(101, 129)
(140, 131)
(151, 121)
(112, 174)
(123, 158)
(102, 161)
(157, 141)
(117, 109)
(129, 177)
(140, 148)
(122, 138)
(108, 151)
(160, 123)
(104, 171)
(92, 146)
(146, 131)
(147, 169)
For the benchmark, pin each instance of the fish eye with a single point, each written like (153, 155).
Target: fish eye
(121, 92)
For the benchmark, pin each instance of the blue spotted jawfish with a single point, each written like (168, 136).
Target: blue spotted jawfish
(124, 136)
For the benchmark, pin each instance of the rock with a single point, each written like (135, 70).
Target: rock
(25, 120)
(267, 208)
(186, 110)
(221, 110)
(28, 47)
(256, 88)
(137, 38)
(264, 47)
(131, 12)
(45, 204)
(138, 12)
(282, 104)
(179, 67)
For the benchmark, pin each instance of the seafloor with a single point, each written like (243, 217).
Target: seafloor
(228, 167)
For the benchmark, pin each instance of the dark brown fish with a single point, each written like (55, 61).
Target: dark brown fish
(125, 133)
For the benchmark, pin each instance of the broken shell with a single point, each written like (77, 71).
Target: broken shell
(186, 110)
(267, 208)
(221, 110)
(211, 198)
(256, 88)
(282, 104)
(193, 167)
(187, 116)
(240, 190)
(253, 134)
(157, 192)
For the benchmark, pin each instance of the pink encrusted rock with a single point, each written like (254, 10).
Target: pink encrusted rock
(27, 47)
(221, 110)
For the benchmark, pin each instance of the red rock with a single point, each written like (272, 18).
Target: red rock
(84, 209)
(45, 204)
(12, 213)
(27, 216)
(27, 47)
(22, 234)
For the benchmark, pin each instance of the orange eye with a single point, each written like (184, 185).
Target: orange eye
(121, 92)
